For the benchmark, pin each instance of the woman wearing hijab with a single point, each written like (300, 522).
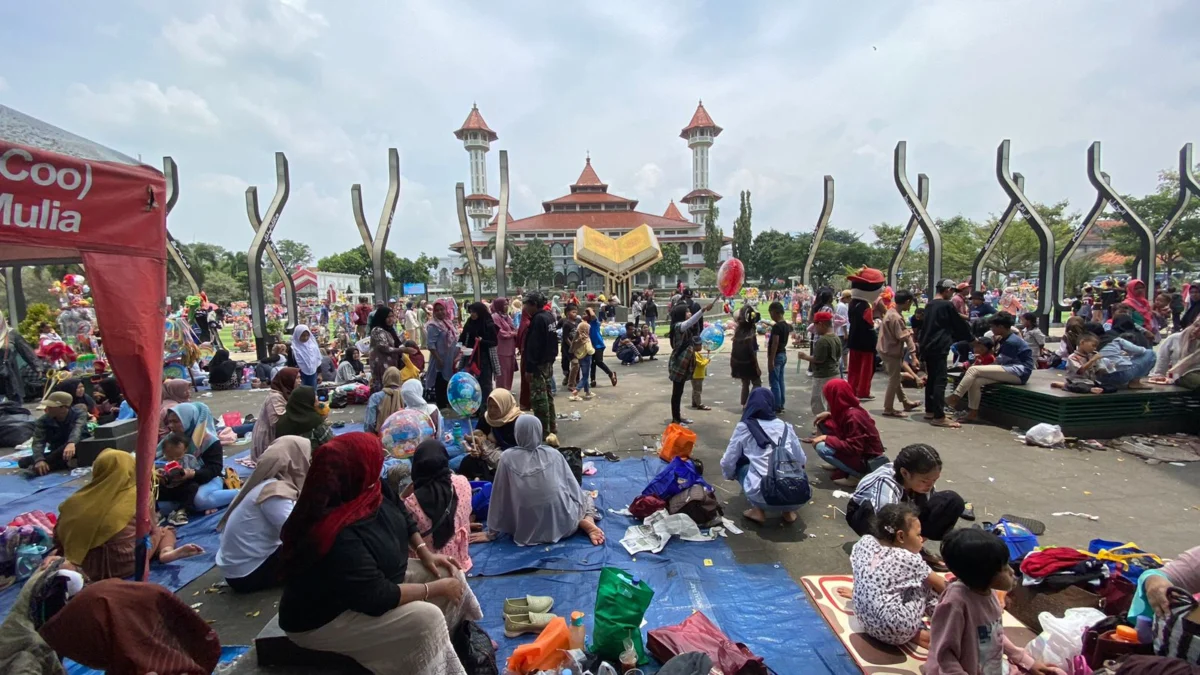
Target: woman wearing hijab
(758, 439)
(384, 402)
(496, 433)
(386, 344)
(506, 348)
(112, 626)
(848, 439)
(350, 370)
(75, 388)
(96, 529)
(204, 486)
(390, 616)
(535, 497)
(174, 392)
(480, 333)
(301, 418)
(110, 400)
(272, 409)
(413, 395)
(305, 354)
(249, 553)
(223, 372)
(443, 352)
(440, 503)
(13, 350)
(1143, 312)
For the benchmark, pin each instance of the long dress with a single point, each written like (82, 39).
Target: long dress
(383, 356)
(506, 349)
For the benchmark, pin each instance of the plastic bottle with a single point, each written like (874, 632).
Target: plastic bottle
(1145, 629)
(578, 630)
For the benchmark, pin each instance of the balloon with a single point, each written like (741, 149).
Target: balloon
(712, 338)
(730, 277)
(175, 371)
(464, 394)
(404, 430)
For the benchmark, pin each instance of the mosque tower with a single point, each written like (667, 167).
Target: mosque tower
(477, 139)
(699, 133)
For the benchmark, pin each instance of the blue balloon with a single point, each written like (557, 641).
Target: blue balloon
(464, 393)
(712, 337)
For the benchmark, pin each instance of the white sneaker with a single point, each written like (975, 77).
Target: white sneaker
(589, 396)
(573, 397)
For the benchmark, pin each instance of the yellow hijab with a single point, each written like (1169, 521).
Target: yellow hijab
(100, 509)
(392, 400)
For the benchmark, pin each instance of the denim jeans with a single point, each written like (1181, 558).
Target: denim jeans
(1142, 365)
(776, 379)
(585, 367)
(827, 453)
(308, 380)
(211, 495)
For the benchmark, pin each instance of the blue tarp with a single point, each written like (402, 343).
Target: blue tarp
(228, 655)
(14, 486)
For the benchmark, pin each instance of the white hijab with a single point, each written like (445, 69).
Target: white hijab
(535, 497)
(307, 354)
(412, 393)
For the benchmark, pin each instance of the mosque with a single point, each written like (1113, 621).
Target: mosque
(590, 203)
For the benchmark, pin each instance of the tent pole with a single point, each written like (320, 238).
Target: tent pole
(16, 295)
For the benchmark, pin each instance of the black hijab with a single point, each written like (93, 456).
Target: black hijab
(71, 386)
(112, 390)
(434, 491)
(348, 356)
(220, 369)
(378, 319)
(482, 328)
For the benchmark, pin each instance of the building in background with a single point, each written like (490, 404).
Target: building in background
(589, 202)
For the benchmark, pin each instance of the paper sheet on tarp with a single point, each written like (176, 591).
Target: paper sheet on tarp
(658, 528)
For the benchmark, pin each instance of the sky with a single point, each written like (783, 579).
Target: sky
(802, 89)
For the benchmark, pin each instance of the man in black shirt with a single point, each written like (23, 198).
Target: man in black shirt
(538, 353)
(942, 327)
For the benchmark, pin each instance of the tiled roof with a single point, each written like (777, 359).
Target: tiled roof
(701, 120)
(482, 198)
(590, 198)
(673, 212)
(695, 194)
(559, 221)
(475, 123)
(588, 177)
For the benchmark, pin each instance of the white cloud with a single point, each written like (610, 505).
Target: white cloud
(3, 84)
(213, 39)
(141, 102)
(222, 184)
(647, 177)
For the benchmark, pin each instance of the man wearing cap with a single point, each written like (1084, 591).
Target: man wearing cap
(55, 434)
(943, 326)
(959, 300)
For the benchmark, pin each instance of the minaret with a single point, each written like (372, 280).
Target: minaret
(477, 138)
(699, 133)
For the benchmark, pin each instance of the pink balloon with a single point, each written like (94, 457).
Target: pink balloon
(730, 277)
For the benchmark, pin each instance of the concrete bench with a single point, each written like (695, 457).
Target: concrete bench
(121, 435)
(275, 649)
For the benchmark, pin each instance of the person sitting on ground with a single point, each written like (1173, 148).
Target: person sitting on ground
(266, 369)
(743, 354)
(984, 355)
(535, 497)
(383, 403)
(282, 386)
(96, 527)
(625, 349)
(496, 433)
(967, 632)
(412, 393)
(909, 479)
(1178, 359)
(848, 440)
(193, 429)
(249, 552)
(327, 371)
(759, 439)
(440, 503)
(301, 418)
(224, 373)
(894, 589)
(79, 396)
(174, 392)
(1014, 365)
(55, 434)
(348, 585)
(350, 370)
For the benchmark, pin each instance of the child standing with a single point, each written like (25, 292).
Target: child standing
(743, 354)
(967, 629)
(894, 589)
(826, 355)
(581, 362)
(777, 354)
(698, 375)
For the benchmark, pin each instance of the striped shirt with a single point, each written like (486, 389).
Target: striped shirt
(879, 488)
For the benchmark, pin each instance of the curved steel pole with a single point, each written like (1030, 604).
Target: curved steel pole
(502, 230)
(1188, 187)
(377, 245)
(1016, 192)
(993, 239)
(819, 233)
(263, 226)
(468, 245)
(1144, 234)
(16, 295)
(171, 172)
(1060, 263)
(933, 238)
(909, 230)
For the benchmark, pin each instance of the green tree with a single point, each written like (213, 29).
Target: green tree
(743, 238)
(222, 288)
(714, 238)
(706, 279)
(669, 266)
(777, 255)
(1017, 251)
(403, 270)
(1181, 247)
(294, 254)
(399, 270)
(532, 265)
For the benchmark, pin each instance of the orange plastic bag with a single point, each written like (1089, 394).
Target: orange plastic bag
(677, 441)
(545, 651)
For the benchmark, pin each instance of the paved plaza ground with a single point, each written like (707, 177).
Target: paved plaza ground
(1158, 507)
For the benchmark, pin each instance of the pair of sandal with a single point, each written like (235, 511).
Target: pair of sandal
(908, 407)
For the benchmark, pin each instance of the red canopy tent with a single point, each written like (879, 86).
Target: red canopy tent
(65, 199)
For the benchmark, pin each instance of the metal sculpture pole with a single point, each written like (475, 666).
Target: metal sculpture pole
(933, 238)
(502, 230)
(910, 229)
(377, 245)
(16, 295)
(171, 172)
(468, 245)
(1188, 187)
(1060, 263)
(1143, 232)
(1015, 189)
(819, 233)
(263, 226)
(993, 239)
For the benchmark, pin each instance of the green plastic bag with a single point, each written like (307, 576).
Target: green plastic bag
(621, 603)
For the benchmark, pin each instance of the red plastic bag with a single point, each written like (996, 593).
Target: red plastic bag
(698, 634)
(644, 505)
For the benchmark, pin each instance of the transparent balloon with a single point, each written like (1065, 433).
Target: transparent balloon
(712, 338)
(404, 430)
(730, 277)
(464, 394)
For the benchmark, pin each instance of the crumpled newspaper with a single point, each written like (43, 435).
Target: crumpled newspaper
(658, 528)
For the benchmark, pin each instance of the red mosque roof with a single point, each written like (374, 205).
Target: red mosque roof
(696, 195)
(588, 178)
(475, 123)
(701, 120)
(482, 198)
(673, 212)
